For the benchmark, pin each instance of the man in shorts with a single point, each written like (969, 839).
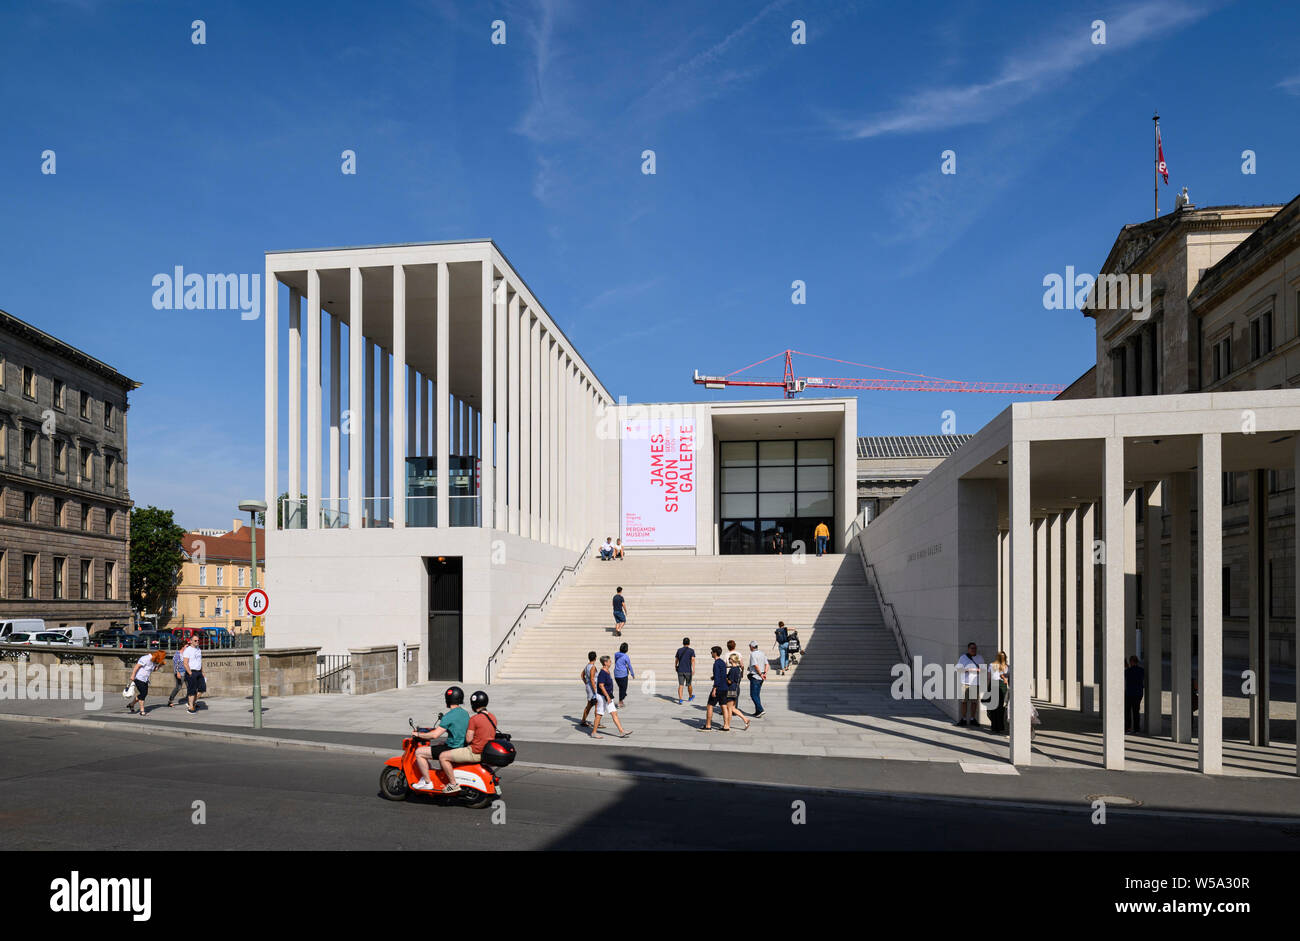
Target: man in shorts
(194, 682)
(718, 694)
(620, 611)
(684, 663)
(589, 687)
(605, 699)
(970, 665)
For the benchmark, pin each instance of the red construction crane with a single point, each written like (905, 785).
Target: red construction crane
(914, 382)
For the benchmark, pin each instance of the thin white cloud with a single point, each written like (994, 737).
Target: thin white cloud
(1290, 85)
(622, 292)
(1024, 75)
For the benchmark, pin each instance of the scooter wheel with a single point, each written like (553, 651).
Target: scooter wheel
(476, 799)
(392, 784)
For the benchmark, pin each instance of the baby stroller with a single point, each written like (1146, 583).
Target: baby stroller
(793, 647)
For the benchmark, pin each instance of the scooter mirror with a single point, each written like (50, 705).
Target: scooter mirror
(411, 721)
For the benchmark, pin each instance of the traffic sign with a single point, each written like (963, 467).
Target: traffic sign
(256, 602)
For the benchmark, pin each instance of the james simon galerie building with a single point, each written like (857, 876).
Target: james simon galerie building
(481, 454)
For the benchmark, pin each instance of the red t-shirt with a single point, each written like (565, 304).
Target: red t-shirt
(483, 729)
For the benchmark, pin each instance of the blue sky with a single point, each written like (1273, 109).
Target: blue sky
(775, 162)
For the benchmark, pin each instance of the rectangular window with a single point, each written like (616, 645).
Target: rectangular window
(61, 457)
(4, 443)
(241, 607)
(4, 362)
(85, 579)
(110, 526)
(110, 580)
(29, 576)
(59, 503)
(203, 606)
(60, 564)
(239, 576)
(30, 439)
(85, 406)
(216, 607)
(29, 382)
(85, 517)
(110, 470)
(221, 576)
(1261, 335)
(59, 389)
(88, 466)
(108, 415)
(1222, 358)
(203, 574)
(29, 507)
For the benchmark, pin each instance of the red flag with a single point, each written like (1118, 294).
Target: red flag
(1160, 157)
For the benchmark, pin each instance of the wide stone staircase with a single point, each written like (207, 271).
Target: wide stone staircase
(713, 599)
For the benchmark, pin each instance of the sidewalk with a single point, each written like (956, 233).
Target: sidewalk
(825, 721)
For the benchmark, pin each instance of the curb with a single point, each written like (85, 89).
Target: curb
(235, 738)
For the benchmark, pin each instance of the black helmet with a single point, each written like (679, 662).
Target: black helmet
(454, 696)
(478, 701)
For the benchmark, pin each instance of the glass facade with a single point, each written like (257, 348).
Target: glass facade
(774, 493)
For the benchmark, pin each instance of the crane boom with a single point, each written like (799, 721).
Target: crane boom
(908, 382)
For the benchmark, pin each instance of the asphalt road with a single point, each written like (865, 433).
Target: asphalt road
(79, 789)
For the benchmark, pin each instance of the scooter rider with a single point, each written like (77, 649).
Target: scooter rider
(453, 725)
(482, 729)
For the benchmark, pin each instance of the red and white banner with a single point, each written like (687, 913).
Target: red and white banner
(658, 493)
(1160, 157)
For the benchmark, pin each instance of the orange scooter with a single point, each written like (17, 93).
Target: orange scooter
(479, 783)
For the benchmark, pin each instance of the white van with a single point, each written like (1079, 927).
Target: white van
(77, 636)
(21, 626)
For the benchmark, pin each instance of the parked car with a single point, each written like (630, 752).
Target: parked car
(220, 637)
(25, 625)
(136, 641)
(77, 636)
(201, 637)
(20, 637)
(52, 637)
(112, 637)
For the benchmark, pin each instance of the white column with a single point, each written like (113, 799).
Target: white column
(1056, 630)
(385, 510)
(487, 407)
(336, 415)
(1210, 590)
(1041, 689)
(501, 402)
(295, 398)
(401, 385)
(313, 400)
(368, 483)
(526, 445)
(512, 420)
(1130, 574)
(424, 415)
(562, 450)
(999, 547)
(1112, 647)
(556, 459)
(1088, 607)
(536, 442)
(272, 391)
(1296, 535)
(358, 420)
(1152, 631)
(1071, 643)
(1180, 605)
(1021, 646)
(412, 408)
(441, 401)
(1256, 570)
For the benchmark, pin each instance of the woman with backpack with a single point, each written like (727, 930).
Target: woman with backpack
(783, 646)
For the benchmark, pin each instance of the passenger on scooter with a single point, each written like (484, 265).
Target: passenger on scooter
(482, 729)
(453, 725)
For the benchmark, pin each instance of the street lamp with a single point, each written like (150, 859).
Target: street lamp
(252, 508)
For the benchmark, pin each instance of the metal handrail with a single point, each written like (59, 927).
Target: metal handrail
(546, 599)
(869, 570)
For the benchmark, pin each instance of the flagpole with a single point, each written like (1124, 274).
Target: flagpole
(1155, 164)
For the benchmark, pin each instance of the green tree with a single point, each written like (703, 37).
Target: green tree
(156, 557)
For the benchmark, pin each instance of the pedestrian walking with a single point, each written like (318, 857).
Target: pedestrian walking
(783, 647)
(732, 705)
(684, 664)
(822, 535)
(999, 688)
(605, 700)
(178, 667)
(1134, 686)
(622, 670)
(620, 611)
(718, 692)
(969, 665)
(194, 682)
(757, 674)
(144, 667)
(588, 676)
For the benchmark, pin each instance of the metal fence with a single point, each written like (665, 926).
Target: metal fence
(330, 672)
